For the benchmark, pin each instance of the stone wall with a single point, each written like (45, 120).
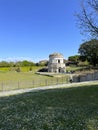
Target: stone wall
(85, 77)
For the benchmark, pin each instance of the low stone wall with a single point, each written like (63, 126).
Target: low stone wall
(85, 77)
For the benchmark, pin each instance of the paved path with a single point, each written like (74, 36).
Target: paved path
(14, 92)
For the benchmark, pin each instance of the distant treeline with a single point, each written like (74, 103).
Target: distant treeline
(22, 63)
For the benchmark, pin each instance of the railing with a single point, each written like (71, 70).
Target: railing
(13, 85)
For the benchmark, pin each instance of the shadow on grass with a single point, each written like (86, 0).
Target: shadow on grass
(56, 109)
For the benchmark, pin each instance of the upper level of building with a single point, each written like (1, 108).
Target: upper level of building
(56, 58)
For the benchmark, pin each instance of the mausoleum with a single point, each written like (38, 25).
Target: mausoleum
(56, 63)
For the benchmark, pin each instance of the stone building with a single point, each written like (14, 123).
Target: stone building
(56, 63)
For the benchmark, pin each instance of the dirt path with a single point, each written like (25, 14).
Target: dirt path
(20, 91)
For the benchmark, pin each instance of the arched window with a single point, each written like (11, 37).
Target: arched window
(58, 61)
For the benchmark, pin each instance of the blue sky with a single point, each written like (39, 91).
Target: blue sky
(33, 29)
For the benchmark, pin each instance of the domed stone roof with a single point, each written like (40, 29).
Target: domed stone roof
(56, 55)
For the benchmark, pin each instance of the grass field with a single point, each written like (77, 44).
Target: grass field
(22, 69)
(25, 74)
(10, 80)
(73, 108)
(18, 76)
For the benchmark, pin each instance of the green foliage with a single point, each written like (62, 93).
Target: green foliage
(42, 63)
(89, 51)
(74, 58)
(85, 63)
(24, 63)
(18, 69)
(30, 69)
(27, 63)
(16, 64)
(4, 64)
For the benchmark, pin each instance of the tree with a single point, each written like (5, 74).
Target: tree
(74, 58)
(88, 18)
(27, 63)
(4, 64)
(18, 69)
(89, 51)
(42, 63)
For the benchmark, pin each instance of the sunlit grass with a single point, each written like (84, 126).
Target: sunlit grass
(25, 74)
(10, 80)
(56, 109)
(73, 68)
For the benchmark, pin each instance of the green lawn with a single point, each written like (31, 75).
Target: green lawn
(73, 68)
(73, 108)
(25, 74)
(10, 80)
(19, 76)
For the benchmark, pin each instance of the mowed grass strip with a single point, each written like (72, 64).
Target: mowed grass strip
(25, 74)
(57, 109)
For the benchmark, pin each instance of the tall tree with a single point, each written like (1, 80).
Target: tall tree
(89, 51)
(88, 18)
(74, 58)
